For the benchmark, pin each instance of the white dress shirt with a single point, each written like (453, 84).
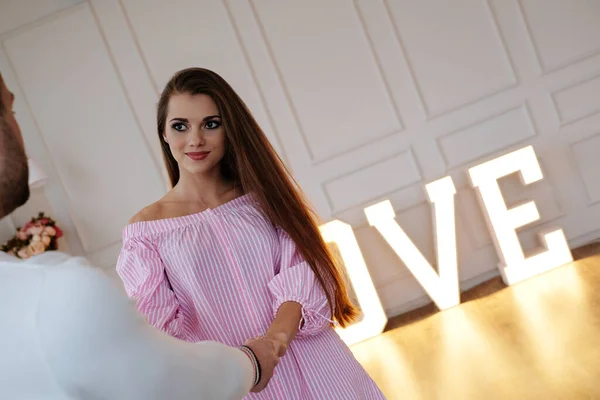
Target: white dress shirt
(69, 332)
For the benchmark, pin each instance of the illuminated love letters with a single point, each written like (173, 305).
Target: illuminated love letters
(374, 318)
(443, 287)
(503, 223)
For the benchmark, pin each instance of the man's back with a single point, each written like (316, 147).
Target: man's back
(68, 332)
(23, 368)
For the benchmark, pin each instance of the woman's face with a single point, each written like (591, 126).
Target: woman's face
(194, 133)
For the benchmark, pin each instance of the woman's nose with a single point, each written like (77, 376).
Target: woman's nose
(197, 137)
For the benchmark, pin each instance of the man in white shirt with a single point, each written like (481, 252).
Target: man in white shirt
(68, 332)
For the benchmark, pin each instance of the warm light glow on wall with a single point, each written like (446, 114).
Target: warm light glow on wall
(374, 318)
(504, 222)
(443, 287)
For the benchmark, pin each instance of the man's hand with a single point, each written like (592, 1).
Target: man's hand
(265, 351)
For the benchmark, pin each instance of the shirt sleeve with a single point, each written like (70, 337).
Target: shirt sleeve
(143, 274)
(295, 281)
(97, 346)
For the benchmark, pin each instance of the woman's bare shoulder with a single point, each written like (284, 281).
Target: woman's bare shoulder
(150, 213)
(153, 212)
(157, 210)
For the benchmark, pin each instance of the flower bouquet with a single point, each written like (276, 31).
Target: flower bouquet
(37, 236)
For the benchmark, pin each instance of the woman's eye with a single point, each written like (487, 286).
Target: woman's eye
(178, 126)
(212, 124)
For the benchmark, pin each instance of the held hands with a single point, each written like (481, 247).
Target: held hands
(280, 342)
(268, 350)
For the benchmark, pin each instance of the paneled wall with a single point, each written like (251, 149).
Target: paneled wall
(365, 100)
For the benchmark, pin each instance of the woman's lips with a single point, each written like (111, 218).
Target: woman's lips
(198, 155)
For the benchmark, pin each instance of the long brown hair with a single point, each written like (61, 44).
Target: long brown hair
(251, 161)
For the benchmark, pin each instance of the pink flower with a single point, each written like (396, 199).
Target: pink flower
(37, 248)
(22, 235)
(46, 240)
(25, 253)
(36, 230)
(50, 231)
(44, 221)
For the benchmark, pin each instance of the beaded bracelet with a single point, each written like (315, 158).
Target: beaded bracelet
(255, 363)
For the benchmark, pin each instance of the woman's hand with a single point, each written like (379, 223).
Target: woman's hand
(280, 342)
(285, 326)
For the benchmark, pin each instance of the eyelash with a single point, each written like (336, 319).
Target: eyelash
(217, 124)
(179, 124)
(176, 124)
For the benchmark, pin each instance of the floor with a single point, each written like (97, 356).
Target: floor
(539, 339)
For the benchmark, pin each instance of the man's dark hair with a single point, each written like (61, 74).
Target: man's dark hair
(2, 106)
(14, 173)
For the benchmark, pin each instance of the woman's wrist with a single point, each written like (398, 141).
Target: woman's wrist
(288, 320)
(280, 335)
(255, 364)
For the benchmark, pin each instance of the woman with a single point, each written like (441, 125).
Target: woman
(232, 252)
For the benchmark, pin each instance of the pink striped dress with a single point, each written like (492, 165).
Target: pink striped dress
(221, 275)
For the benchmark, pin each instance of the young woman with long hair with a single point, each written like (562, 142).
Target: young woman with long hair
(233, 252)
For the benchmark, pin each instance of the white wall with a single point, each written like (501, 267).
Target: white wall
(365, 100)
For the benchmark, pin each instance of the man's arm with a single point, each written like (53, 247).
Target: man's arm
(98, 346)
